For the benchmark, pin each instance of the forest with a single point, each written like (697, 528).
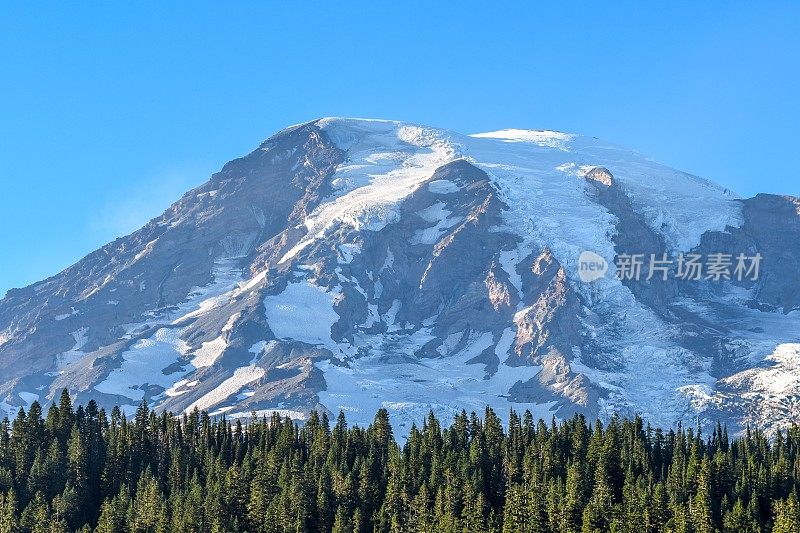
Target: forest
(82, 469)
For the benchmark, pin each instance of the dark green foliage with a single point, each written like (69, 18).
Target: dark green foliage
(81, 470)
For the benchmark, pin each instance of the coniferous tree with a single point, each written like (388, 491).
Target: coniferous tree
(787, 515)
(702, 513)
(8, 512)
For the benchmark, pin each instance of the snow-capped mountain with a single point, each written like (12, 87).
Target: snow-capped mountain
(356, 264)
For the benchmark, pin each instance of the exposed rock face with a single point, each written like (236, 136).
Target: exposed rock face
(206, 236)
(633, 235)
(601, 175)
(771, 227)
(351, 264)
(548, 321)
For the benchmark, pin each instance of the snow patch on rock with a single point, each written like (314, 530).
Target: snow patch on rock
(241, 377)
(70, 356)
(303, 312)
(209, 352)
(143, 365)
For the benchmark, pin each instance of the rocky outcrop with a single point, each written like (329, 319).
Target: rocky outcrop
(770, 228)
(548, 320)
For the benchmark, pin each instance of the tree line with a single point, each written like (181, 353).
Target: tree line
(82, 470)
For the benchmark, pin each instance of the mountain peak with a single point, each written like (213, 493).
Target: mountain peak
(353, 264)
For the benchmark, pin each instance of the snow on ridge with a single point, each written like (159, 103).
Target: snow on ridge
(536, 171)
(778, 376)
(208, 352)
(259, 349)
(438, 215)
(241, 376)
(443, 187)
(76, 352)
(765, 391)
(143, 364)
(227, 282)
(302, 312)
(548, 138)
(180, 387)
(537, 174)
(386, 162)
(283, 413)
(64, 316)
(677, 205)
(549, 207)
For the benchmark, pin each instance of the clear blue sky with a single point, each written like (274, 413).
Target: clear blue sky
(109, 111)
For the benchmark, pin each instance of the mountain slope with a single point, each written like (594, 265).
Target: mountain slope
(357, 264)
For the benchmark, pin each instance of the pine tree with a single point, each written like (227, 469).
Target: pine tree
(113, 514)
(597, 515)
(787, 516)
(8, 512)
(147, 506)
(575, 500)
(36, 516)
(342, 523)
(739, 520)
(516, 512)
(657, 512)
(702, 514)
(421, 516)
(555, 510)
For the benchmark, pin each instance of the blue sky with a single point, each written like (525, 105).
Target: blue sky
(110, 111)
